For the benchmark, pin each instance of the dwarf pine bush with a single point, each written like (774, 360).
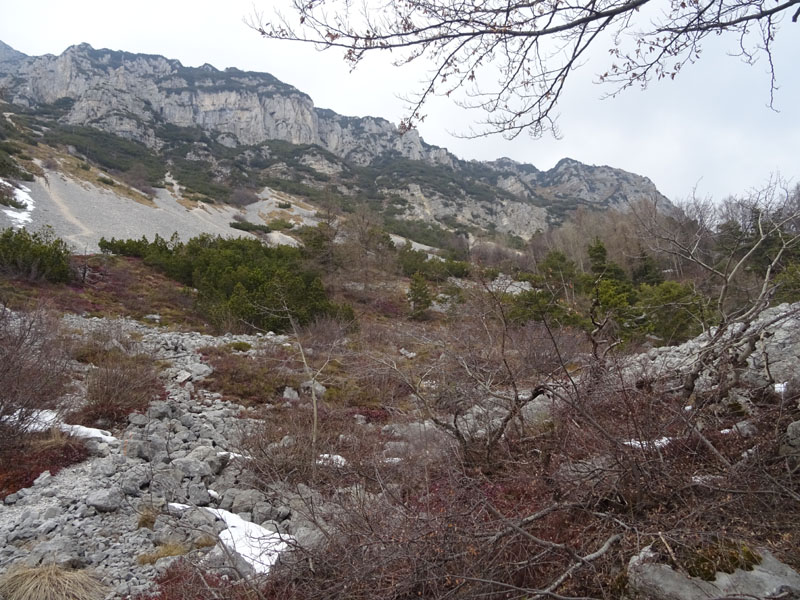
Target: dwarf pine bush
(36, 256)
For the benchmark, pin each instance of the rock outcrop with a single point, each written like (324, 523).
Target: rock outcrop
(132, 94)
(770, 578)
(112, 513)
(158, 101)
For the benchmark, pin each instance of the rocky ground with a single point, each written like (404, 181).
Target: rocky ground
(171, 483)
(110, 512)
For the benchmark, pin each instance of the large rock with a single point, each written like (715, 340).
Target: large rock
(791, 443)
(107, 500)
(192, 467)
(651, 580)
(240, 501)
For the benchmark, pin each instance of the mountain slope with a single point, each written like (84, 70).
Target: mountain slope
(235, 129)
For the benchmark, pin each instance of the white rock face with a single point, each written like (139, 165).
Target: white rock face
(128, 94)
(519, 218)
(135, 96)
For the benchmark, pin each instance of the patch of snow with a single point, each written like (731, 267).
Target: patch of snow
(780, 388)
(232, 455)
(258, 546)
(657, 443)
(19, 216)
(331, 460)
(214, 494)
(48, 419)
(88, 433)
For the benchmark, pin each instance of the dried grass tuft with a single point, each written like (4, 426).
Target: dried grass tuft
(160, 552)
(50, 582)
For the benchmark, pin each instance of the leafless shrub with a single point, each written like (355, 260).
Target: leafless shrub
(33, 369)
(50, 164)
(118, 386)
(282, 449)
(458, 536)
(101, 344)
(323, 332)
(250, 380)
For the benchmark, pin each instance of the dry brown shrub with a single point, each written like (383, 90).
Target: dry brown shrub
(33, 369)
(251, 380)
(35, 453)
(102, 344)
(162, 551)
(282, 450)
(184, 581)
(50, 582)
(120, 385)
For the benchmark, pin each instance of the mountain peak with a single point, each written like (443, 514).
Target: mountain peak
(161, 103)
(9, 54)
(568, 162)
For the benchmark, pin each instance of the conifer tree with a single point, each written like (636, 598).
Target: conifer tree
(419, 296)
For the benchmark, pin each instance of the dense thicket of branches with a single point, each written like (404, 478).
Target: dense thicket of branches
(511, 58)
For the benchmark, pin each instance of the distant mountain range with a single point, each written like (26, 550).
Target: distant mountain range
(217, 132)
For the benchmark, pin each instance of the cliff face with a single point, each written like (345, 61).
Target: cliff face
(139, 97)
(131, 94)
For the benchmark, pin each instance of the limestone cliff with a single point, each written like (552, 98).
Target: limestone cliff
(131, 94)
(156, 101)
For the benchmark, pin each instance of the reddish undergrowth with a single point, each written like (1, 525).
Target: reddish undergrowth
(111, 286)
(182, 581)
(35, 454)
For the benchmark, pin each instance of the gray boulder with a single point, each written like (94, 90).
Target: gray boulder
(791, 443)
(192, 468)
(197, 494)
(211, 456)
(650, 580)
(199, 370)
(107, 500)
(239, 501)
(159, 410)
(318, 388)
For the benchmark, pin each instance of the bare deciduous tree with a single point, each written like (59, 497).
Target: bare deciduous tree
(511, 59)
(736, 247)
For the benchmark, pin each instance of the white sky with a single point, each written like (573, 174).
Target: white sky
(710, 128)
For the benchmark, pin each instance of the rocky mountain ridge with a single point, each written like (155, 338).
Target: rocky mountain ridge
(129, 94)
(159, 102)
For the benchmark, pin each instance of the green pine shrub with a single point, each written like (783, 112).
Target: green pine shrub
(35, 256)
(241, 284)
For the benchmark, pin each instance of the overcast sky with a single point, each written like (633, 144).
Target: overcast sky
(711, 128)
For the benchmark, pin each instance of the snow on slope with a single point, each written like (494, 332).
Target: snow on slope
(19, 217)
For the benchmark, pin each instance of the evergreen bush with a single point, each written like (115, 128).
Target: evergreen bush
(35, 256)
(241, 283)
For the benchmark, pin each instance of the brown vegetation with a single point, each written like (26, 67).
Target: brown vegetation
(50, 582)
(117, 387)
(111, 286)
(33, 370)
(22, 462)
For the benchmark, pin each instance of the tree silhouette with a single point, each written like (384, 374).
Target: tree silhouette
(511, 58)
